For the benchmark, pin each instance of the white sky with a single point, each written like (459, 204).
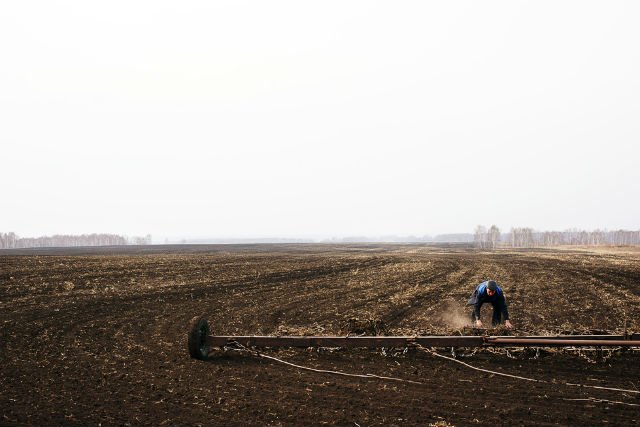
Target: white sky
(318, 119)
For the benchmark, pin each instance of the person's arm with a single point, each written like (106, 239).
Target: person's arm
(476, 312)
(505, 313)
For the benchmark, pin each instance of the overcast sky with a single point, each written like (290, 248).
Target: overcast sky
(318, 119)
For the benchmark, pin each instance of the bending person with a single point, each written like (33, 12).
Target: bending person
(490, 292)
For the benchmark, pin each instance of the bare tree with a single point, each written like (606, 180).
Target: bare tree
(493, 237)
(522, 237)
(480, 236)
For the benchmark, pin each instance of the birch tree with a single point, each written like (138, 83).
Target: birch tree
(493, 236)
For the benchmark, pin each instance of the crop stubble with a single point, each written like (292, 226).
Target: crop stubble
(98, 336)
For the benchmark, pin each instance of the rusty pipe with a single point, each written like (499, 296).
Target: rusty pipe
(561, 342)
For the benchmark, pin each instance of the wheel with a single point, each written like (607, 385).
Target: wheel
(198, 332)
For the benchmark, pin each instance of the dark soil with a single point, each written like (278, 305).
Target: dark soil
(93, 337)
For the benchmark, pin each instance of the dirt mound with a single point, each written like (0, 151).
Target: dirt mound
(356, 326)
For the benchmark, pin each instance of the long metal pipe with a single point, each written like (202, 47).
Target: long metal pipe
(530, 342)
(427, 341)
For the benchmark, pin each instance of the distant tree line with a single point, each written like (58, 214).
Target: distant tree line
(11, 240)
(525, 237)
(486, 239)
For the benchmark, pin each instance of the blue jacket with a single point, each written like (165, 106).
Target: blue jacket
(480, 296)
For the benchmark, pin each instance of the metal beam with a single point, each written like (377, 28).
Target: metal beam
(343, 341)
(556, 342)
(426, 341)
(568, 337)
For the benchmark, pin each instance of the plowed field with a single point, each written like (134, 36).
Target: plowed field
(93, 337)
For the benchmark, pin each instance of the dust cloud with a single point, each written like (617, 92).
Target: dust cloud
(454, 314)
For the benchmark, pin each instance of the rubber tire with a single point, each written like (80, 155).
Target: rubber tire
(198, 332)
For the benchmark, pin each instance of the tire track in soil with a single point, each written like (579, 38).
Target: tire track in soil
(302, 297)
(425, 308)
(601, 290)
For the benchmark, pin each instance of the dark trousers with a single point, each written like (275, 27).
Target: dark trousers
(496, 318)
